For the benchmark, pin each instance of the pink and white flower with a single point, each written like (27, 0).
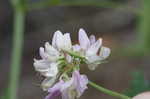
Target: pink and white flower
(62, 42)
(60, 59)
(48, 64)
(93, 50)
(70, 89)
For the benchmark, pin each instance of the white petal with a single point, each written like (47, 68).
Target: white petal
(94, 48)
(92, 39)
(41, 65)
(42, 53)
(59, 40)
(55, 37)
(104, 52)
(92, 66)
(48, 82)
(50, 49)
(76, 47)
(52, 52)
(52, 71)
(67, 42)
(93, 59)
(68, 58)
(83, 39)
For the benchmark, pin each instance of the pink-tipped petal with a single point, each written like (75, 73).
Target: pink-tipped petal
(65, 94)
(80, 82)
(56, 87)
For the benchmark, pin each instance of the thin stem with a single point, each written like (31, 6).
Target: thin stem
(18, 30)
(109, 92)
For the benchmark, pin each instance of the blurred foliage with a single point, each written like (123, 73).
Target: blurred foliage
(4, 95)
(94, 0)
(143, 28)
(95, 3)
(138, 84)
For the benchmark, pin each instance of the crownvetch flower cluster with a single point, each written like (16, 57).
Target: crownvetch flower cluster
(60, 63)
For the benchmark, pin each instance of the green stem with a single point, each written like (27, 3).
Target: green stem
(109, 92)
(74, 54)
(18, 30)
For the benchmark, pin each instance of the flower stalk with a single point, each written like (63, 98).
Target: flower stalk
(107, 91)
(18, 30)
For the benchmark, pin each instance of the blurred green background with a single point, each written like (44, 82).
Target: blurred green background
(25, 25)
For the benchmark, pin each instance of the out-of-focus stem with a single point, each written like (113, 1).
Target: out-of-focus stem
(104, 4)
(144, 27)
(18, 30)
(108, 92)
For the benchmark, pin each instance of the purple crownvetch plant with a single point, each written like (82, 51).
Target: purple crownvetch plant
(60, 65)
